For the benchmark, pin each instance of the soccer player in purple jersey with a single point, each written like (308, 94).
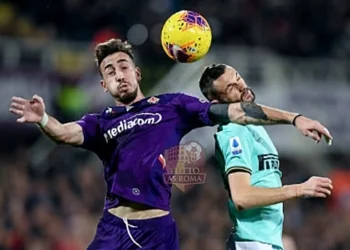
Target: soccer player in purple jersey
(130, 138)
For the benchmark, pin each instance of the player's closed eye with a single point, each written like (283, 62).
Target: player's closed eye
(124, 67)
(230, 87)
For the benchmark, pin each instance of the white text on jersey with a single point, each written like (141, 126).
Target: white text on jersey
(136, 120)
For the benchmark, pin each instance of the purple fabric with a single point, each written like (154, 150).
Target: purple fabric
(156, 234)
(130, 141)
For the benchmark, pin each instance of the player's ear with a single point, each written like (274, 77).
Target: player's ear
(104, 86)
(138, 74)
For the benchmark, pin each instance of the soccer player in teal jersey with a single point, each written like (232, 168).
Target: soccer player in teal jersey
(250, 168)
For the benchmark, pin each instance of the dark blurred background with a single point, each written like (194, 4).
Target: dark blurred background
(294, 53)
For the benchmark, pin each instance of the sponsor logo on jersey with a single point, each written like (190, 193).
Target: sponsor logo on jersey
(268, 161)
(140, 119)
(235, 145)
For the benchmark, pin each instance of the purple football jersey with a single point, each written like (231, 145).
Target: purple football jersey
(130, 139)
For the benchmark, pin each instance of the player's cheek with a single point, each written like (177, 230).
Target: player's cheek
(235, 96)
(113, 87)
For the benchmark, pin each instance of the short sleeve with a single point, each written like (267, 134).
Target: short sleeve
(235, 144)
(195, 110)
(93, 138)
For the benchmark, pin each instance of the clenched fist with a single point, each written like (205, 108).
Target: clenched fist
(315, 187)
(30, 111)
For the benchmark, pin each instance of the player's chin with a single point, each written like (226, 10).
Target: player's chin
(127, 96)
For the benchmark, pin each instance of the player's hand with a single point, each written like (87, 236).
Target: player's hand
(31, 111)
(313, 129)
(320, 187)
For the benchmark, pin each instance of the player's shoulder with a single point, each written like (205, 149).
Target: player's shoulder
(171, 96)
(91, 118)
(181, 96)
(161, 99)
(166, 96)
(233, 128)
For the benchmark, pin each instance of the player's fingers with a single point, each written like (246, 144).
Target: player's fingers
(324, 191)
(326, 185)
(326, 132)
(38, 98)
(18, 100)
(313, 136)
(319, 134)
(21, 120)
(324, 179)
(320, 195)
(328, 137)
(323, 130)
(16, 111)
(16, 105)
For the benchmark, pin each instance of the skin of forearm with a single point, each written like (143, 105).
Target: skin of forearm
(252, 113)
(252, 197)
(56, 131)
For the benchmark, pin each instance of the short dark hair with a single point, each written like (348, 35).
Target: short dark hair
(102, 50)
(209, 75)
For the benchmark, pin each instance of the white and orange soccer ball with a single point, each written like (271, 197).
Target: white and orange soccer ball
(186, 36)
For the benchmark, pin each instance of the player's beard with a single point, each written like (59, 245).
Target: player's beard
(245, 92)
(128, 97)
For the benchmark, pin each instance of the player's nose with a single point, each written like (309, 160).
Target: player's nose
(119, 77)
(242, 87)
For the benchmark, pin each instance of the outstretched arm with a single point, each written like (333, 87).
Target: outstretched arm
(252, 113)
(246, 196)
(68, 133)
(33, 111)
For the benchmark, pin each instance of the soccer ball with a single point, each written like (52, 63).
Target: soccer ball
(186, 36)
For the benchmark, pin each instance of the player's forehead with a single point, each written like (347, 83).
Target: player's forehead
(228, 76)
(116, 58)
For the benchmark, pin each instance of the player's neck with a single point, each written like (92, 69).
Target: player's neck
(139, 97)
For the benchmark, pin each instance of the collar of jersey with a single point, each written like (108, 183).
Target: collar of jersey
(123, 109)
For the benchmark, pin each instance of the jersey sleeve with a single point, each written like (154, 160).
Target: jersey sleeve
(235, 145)
(93, 138)
(195, 110)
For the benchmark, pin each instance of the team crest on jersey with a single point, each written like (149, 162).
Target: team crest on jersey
(235, 145)
(153, 100)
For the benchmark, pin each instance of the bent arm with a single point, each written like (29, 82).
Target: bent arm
(246, 196)
(68, 133)
(249, 113)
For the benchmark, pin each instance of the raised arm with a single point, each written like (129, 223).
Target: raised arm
(33, 111)
(252, 113)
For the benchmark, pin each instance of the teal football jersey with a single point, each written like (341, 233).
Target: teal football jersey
(249, 148)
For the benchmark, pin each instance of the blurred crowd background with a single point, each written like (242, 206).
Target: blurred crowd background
(294, 53)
